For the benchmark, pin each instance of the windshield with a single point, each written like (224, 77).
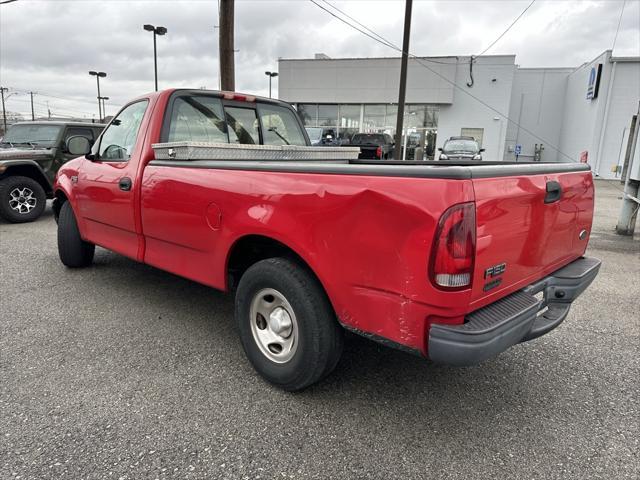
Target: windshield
(461, 146)
(368, 139)
(315, 133)
(32, 134)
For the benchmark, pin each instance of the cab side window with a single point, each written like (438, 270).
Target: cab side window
(197, 119)
(119, 138)
(280, 126)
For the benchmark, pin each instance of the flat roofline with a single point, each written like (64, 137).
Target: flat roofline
(624, 59)
(546, 69)
(392, 58)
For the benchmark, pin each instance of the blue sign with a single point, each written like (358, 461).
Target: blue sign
(594, 82)
(518, 149)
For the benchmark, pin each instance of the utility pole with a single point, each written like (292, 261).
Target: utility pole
(33, 115)
(397, 151)
(630, 201)
(4, 110)
(226, 53)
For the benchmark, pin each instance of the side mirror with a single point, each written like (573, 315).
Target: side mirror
(78, 145)
(440, 149)
(481, 150)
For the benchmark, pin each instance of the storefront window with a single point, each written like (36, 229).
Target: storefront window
(308, 113)
(373, 117)
(327, 115)
(349, 116)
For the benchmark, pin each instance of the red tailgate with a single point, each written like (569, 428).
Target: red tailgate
(525, 232)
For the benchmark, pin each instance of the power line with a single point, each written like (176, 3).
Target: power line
(615, 38)
(381, 39)
(386, 42)
(508, 28)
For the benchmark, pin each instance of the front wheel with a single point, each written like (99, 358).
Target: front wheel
(287, 326)
(73, 251)
(22, 199)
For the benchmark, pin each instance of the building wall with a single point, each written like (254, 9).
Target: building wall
(623, 104)
(551, 103)
(364, 80)
(582, 118)
(537, 103)
(467, 112)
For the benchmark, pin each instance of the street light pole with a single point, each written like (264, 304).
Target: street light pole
(104, 107)
(156, 31)
(270, 75)
(33, 115)
(98, 75)
(4, 110)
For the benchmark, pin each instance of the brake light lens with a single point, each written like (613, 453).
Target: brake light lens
(379, 152)
(453, 254)
(238, 97)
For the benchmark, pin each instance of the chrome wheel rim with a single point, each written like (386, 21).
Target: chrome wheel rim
(22, 200)
(274, 325)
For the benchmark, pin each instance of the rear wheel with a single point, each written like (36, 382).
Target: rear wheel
(22, 199)
(73, 251)
(287, 326)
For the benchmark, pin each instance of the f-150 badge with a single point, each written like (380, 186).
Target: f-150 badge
(492, 273)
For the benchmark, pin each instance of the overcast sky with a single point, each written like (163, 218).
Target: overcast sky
(48, 46)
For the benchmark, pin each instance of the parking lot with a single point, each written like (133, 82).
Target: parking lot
(124, 371)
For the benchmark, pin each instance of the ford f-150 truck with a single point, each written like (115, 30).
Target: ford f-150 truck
(453, 261)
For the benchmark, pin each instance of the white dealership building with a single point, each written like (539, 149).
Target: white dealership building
(550, 114)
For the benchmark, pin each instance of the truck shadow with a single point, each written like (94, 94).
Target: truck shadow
(408, 387)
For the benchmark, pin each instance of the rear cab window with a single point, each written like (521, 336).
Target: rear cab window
(197, 119)
(280, 126)
(243, 125)
(207, 118)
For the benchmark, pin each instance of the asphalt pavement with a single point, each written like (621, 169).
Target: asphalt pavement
(122, 371)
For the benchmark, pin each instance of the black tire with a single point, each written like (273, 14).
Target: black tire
(22, 199)
(73, 251)
(318, 336)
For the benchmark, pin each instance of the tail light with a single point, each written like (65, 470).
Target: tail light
(453, 254)
(379, 152)
(238, 97)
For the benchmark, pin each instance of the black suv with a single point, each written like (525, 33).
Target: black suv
(30, 155)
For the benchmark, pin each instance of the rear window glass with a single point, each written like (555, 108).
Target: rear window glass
(369, 138)
(280, 126)
(198, 119)
(243, 125)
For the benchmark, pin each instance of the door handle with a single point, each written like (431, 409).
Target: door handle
(554, 192)
(125, 184)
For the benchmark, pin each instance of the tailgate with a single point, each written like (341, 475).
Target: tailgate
(526, 229)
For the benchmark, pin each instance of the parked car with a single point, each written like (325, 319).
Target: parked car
(319, 136)
(461, 148)
(30, 155)
(455, 262)
(373, 145)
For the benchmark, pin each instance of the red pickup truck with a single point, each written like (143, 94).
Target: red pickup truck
(452, 261)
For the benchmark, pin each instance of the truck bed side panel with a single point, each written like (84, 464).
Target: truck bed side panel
(367, 238)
